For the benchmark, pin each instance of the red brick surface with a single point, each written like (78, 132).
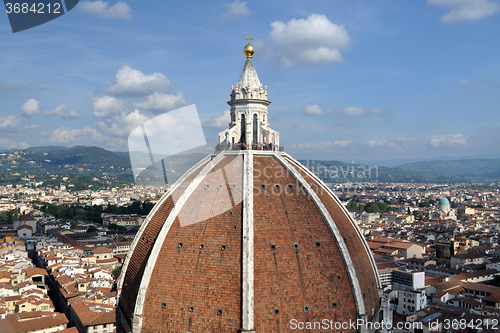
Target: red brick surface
(359, 255)
(207, 279)
(139, 259)
(285, 278)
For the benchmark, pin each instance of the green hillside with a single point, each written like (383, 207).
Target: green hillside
(94, 167)
(336, 171)
(81, 164)
(469, 169)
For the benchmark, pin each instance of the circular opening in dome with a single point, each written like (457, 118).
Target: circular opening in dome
(179, 245)
(296, 246)
(219, 312)
(191, 309)
(273, 247)
(306, 308)
(202, 246)
(163, 305)
(223, 248)
(219, 187)
(334, 305)
(318, 244)
(276, 312)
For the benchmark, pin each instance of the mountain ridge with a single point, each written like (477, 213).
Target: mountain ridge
(89, 162)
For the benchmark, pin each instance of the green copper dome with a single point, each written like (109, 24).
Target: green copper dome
(444, 202)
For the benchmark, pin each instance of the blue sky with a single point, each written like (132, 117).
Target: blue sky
(348, 80)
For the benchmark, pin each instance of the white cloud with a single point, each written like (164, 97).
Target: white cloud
(345, 123)
(312, 41)
(357, 111)
(120, 10)
(400, 144)
(162, 102)
(353, 111)
(88, 134)
(466, 10)
(30, 108)
(313, 110)
(31, 127)
(321, 145)
(131, 81)
(220, 122)
(109, 132)
(60, 111)
(465, 82)
(419, 144)
(236, 8)
(72, 114)
(7, 143)
(489, 81)
(448, 140)
(9, 122)
(122, 124)
(106, 106)
(10, 86)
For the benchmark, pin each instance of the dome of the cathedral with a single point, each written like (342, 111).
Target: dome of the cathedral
(443, 201)
(248, 240)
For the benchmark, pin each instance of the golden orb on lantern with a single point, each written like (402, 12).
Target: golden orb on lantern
(248, 49)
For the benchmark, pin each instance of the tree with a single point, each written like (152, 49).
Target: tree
(124, 239)
(372, 207)
(113, 226)
(353, 205)
(116, 272)
(91, 229)
(496, 281)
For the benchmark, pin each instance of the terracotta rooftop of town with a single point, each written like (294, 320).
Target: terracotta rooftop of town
(101, 249)
(12, 325)
(26, 218)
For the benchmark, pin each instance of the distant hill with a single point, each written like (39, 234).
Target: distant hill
(87, 158)
(337, 171)
(46, 149)
(468, 169)
(94, 167)
(83, 165)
